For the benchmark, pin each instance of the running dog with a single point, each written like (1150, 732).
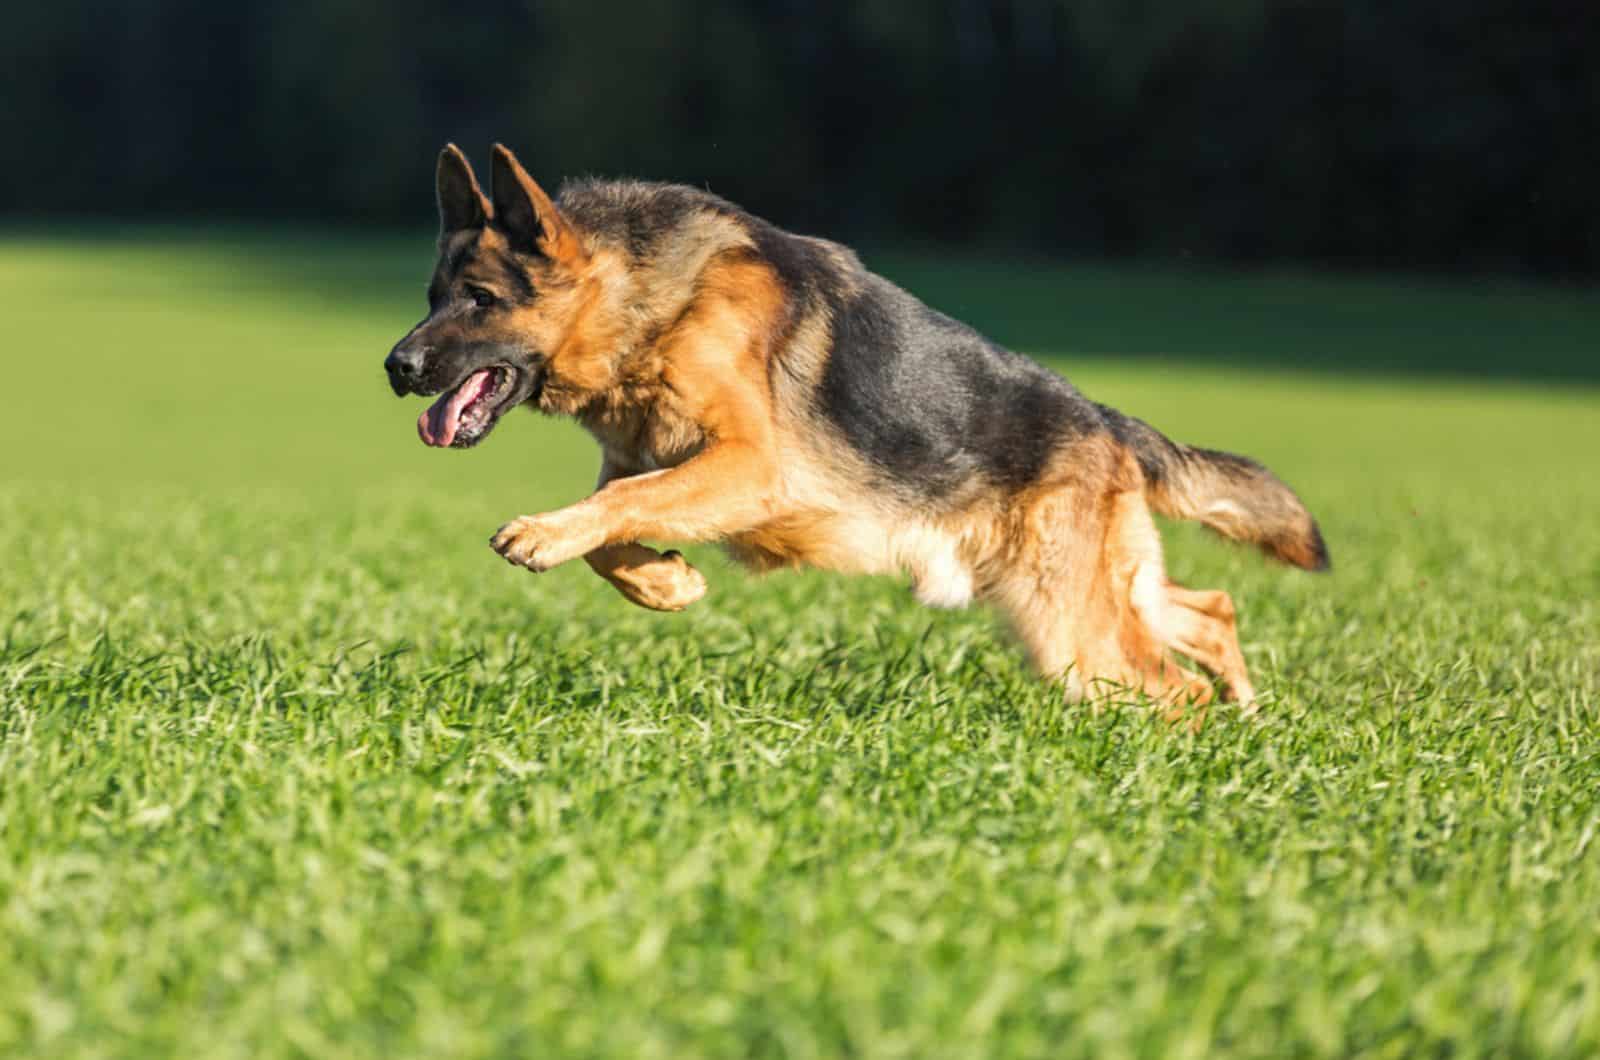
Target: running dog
(766, 391)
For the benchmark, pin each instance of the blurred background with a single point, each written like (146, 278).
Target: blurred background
(1433, 136)
(223, 212)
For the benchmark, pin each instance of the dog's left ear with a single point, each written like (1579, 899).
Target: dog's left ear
(526, 213)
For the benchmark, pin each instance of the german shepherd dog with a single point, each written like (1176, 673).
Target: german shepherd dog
(766, 391)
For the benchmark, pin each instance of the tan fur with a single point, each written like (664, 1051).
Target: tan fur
(702, 389)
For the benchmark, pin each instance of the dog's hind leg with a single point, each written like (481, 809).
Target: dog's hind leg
(1168, 617)
(1203, 627)
(661, 581)
(1084, 587)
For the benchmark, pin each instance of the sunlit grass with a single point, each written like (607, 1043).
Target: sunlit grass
(291, 764)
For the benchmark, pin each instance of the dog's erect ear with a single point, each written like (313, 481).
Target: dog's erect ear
(526, 213)
(462, 204)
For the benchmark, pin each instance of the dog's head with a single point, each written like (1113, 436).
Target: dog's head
(507, 295)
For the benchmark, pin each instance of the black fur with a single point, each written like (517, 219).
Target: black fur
(1157, 454)
(459, 257)
(515, 279)
(636, 214)
(460, 208)
(931, 402)
(804, 266)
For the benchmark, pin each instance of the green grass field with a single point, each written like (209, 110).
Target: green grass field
(292, 765)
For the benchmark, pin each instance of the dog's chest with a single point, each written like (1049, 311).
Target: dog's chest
(645, 437)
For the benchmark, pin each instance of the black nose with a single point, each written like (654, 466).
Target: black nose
(404, 365)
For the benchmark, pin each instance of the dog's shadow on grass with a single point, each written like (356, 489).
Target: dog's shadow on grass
(740, 667)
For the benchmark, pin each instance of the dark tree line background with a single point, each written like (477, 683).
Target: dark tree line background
(1419, 134)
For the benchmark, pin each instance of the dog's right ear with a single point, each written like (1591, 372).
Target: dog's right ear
(462, 204)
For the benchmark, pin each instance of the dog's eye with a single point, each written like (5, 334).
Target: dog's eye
(481, 298)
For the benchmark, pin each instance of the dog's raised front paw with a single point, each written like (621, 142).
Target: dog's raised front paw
(537, 542)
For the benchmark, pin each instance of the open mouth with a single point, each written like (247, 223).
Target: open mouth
(463, 416)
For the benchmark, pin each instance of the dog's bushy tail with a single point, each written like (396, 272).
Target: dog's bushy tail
(1232, 495)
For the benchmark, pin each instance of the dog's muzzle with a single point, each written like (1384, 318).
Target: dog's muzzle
(404, 365)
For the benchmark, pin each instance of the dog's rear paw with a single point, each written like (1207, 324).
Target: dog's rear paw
(666, 584)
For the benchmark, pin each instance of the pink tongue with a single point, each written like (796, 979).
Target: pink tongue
(438, 424)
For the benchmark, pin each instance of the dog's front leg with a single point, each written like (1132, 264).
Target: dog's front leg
(661, 581)
(726, 488)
